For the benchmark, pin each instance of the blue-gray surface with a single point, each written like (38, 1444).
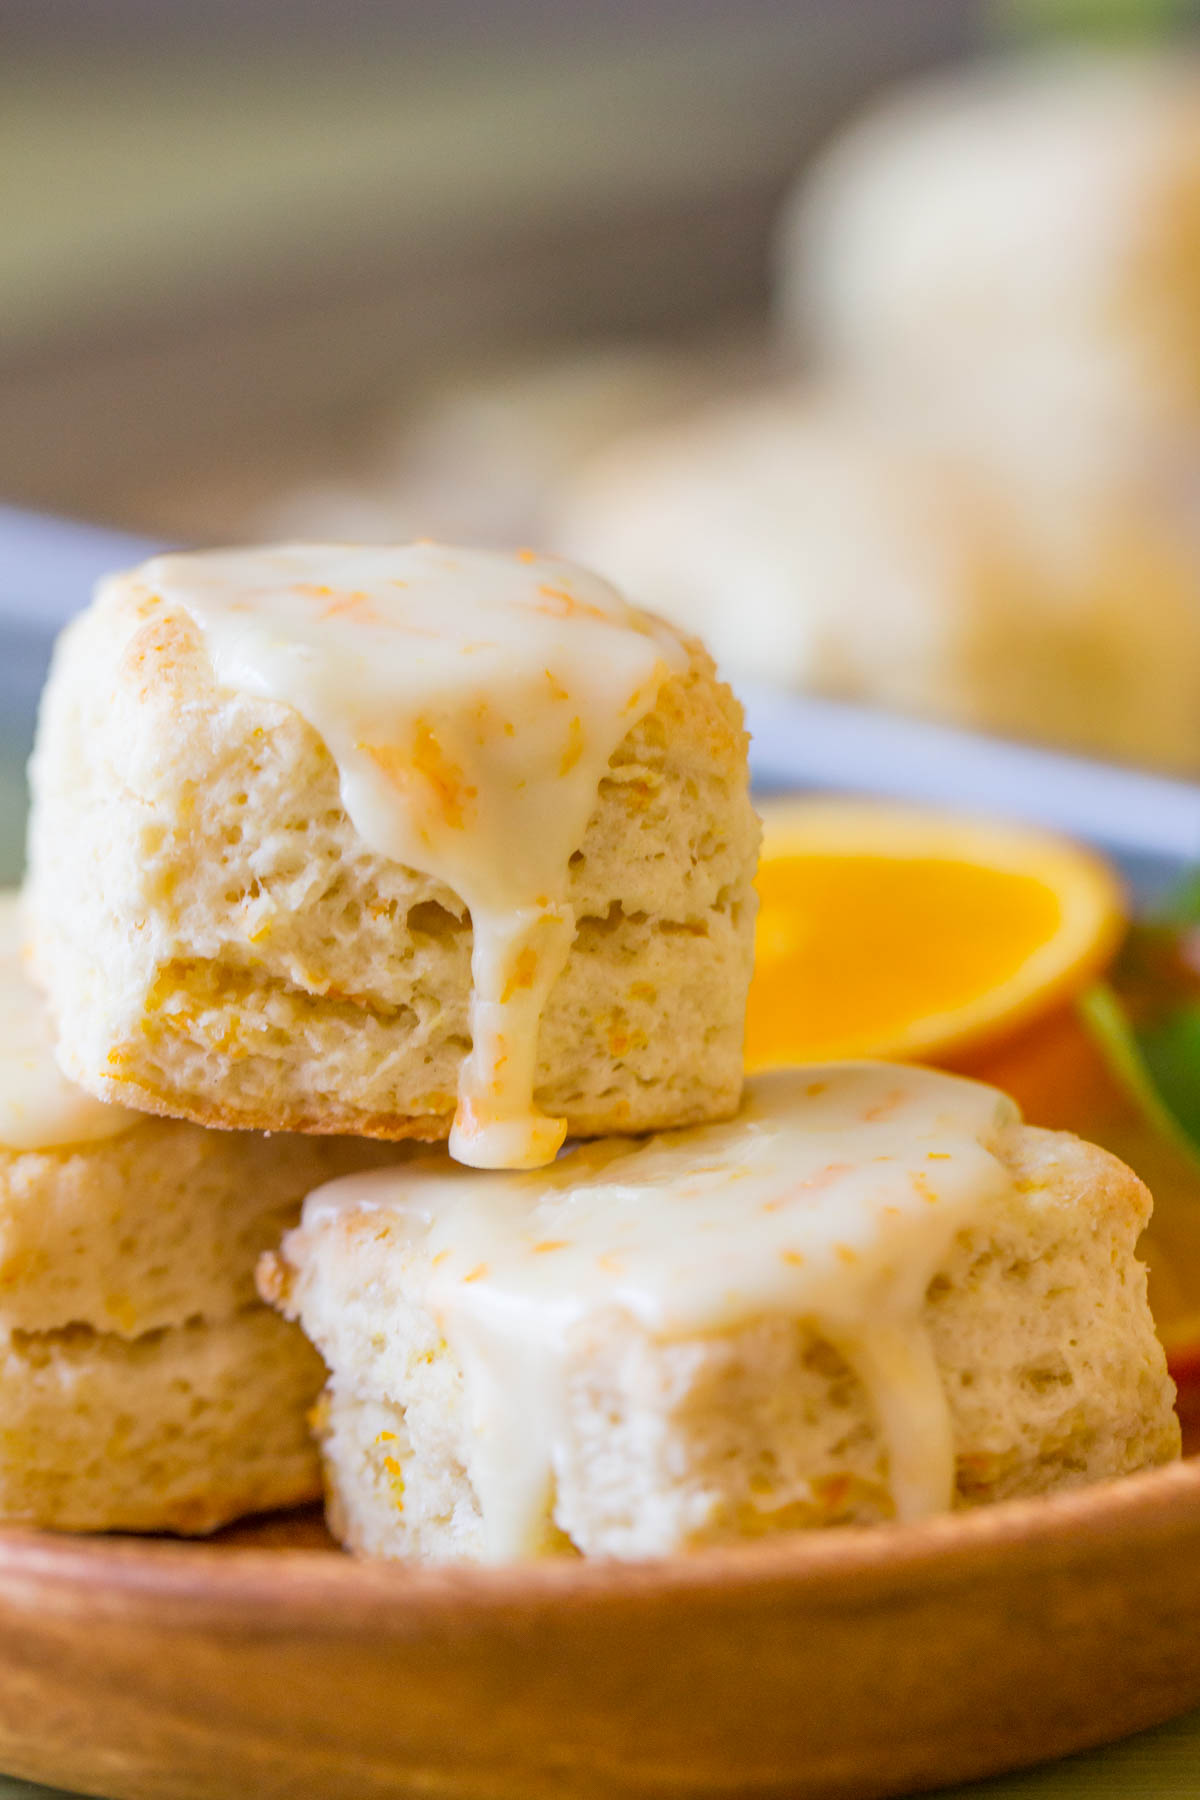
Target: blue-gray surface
(48, 567)
(23, 657)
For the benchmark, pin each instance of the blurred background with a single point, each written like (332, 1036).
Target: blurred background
(243, 245)
(863, 335)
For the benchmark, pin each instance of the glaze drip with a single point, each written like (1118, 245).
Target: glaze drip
(472, 701)
(833, 1198)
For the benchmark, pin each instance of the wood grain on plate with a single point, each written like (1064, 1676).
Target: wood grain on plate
(857, 1662)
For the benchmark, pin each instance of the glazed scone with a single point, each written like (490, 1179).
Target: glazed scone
(1015, 247)
(385, 841)
(143, 1385)
(812, 545)
(874, 1294)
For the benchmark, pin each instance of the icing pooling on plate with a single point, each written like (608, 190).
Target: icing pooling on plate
(833, 1197)
(39, 1108)
(472, 701)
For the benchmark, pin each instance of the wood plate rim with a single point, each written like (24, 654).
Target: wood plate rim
(836, 1665)
(1058, 1528)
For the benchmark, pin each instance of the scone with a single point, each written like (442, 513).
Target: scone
(875, 1294)
(143, 1385)
(400, 842)
(1015, 248)
(812, 546)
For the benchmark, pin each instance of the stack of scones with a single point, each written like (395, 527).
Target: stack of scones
(418, 881)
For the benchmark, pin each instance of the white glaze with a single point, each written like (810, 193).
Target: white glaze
(833, 1197)
(472, 701)
(39, 1108)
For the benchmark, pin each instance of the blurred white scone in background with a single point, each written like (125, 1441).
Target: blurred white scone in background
(1016, 247)
(875, 1294)
(143, 1385)
(814, 546)
(473, 460)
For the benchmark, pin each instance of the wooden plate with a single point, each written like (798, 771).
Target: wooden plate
(858, 1662)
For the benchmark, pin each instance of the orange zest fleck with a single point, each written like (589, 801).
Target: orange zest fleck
(574, 746)
(523, 976)
(427, 760)
(355, 606)
(921, 1182)
(883, 1109)
(813, 1184)
(566, 605)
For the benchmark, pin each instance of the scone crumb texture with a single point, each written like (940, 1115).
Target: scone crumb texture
(578, 1341)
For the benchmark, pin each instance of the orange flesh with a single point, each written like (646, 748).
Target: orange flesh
(851, 950)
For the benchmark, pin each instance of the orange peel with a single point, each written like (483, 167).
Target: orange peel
(891, 931)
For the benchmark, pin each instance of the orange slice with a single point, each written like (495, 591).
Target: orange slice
(888, 931)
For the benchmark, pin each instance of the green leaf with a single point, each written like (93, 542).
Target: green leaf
(1160, 1071)
(1171, 1052)
(1102, 21)
(1146, 1017)
(1181, 907)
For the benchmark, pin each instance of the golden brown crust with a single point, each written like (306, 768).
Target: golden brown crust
(198, 1110)
(201, 1515)
(432, 1128)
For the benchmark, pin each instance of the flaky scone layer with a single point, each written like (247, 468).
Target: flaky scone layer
(181, 1430)
(152, 1228)
(217, 943)
(1038, 1321)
